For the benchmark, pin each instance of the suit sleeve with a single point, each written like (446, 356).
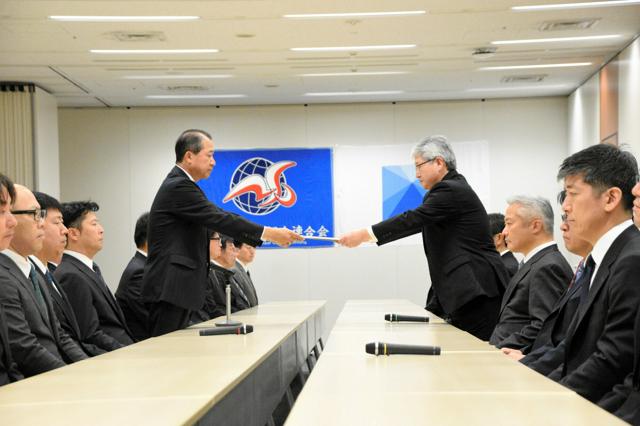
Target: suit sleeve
(545, 288)
(546, 359)
(601, 371)
(32, 358)
(437, 206)
(190, 204)
(81, 301)
(69, 346)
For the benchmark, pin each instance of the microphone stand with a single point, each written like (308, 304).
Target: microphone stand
(228, 322)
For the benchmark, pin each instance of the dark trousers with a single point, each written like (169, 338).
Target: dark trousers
(478, 317)
(165, 318)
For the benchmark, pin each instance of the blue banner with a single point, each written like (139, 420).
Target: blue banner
(290, 188)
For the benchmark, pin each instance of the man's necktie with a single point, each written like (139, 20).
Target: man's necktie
(38, 291)
(49, 277)
(578, 274)
(585, 281)
(96, 269)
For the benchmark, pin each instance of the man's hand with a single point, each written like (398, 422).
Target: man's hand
(281, 236)
(355, 238)
(513, 353)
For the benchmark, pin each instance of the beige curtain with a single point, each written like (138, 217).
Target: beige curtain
(16, 135)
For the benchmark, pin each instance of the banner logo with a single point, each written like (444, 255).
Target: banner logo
(259, 186)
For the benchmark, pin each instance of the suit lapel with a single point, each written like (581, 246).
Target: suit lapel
(61, 300)
(26, 284)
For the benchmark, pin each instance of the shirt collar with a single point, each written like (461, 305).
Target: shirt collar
(603, 244)
(21, 262)
(538, 249)
(38, 264)
(142, 252)
(186, 172)
(502, 253)
(81, 257)
(244, 267)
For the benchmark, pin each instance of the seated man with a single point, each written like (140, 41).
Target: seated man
(539, 283)
(129, 289)
(215, 299)
(8, 368)
(246, 254)
(100, 319)
(37, 341)
(53, 244)
(496, 225)
(597, 352)
(227, 260)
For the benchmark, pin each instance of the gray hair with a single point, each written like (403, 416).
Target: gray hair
(535, 207)
(435, 146)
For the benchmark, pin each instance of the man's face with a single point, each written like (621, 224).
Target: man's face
(517, 230)
(89, 237)
(584, 208)
(214, 247)
(572, 243)
(202, 163)
(29, 231)
(228, 255)
(498, 241)
(636, 204)
(428, 172)
(246, 254)
(55, 236)
(7, 220)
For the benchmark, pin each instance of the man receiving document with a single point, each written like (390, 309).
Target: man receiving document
(468, 277)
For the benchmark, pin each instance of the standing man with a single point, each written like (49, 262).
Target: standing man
(468, 277)
(175, 277)
(246, 254)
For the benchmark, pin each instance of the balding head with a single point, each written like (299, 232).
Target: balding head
(29, 231)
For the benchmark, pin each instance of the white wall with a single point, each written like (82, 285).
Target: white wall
(119, 157)
(45, 125)
(629, 97)
(584, 115)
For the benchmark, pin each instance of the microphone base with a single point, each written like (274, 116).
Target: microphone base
(228, 323)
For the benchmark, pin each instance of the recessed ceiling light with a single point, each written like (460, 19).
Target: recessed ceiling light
(364, 93)
(355, 73)
(78, 18)
(175, 77)
(581, 5)
(150, 51)
(352, 48)
(541, 87)
(195, 96)
(557, 39)
(524, 67)
(354, 14)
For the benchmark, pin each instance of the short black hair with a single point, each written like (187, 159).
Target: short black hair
(190, 141)
(604, 166)
(496, 223)
(7, 184)
(224, 239)
(47, 202)
(142, 230)
(73, 213)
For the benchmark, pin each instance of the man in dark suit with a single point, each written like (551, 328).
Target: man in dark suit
(37, 341)
(225, 275)
(540, 281)
(496, 225)
(624, 399)
(100, 319)
(175, 277)
(246, 254)
(129, 289)
(53, 244)
(215, 297)
(467, 276)
(597, 352)
(8, 368)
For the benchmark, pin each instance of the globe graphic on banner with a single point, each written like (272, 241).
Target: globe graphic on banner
(247, 202)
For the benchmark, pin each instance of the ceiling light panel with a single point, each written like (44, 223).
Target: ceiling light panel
(580, 5)
(558, 39)
(151, 51)
(353, 48)
(535, 66)
(354, 14)
(80, 18)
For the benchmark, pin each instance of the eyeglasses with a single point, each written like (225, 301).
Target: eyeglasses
(38, 214)
(423, 163)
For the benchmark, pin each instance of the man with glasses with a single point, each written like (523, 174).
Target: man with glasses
(37, 339)
(468, 277)
(215, 296)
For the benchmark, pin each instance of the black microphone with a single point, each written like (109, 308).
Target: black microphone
(398, 318)
(243, 329)
(379, 348)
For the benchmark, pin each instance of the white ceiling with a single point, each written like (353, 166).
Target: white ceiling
(254, 42)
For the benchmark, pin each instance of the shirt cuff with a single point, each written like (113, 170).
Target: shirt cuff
(372, 235)
(264, 228)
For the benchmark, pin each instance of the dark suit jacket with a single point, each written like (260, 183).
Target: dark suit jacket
(129, 297)
(37, 341)
(100, 319)
(176, 270)
(463, 261)
(67, 317)
(8, 368)
(598, 349)
(215, 304)
(246, 283)
(511, 263)
(530, 296)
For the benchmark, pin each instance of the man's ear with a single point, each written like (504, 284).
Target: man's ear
(611, 197)
(537, 226)
(73, 234)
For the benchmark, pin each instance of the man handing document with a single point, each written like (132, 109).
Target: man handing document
(468, 277)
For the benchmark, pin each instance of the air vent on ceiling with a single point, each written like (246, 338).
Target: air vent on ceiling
(482, 53)
(136, 36)
(185, 88)
(533, 78)
(573, 24)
